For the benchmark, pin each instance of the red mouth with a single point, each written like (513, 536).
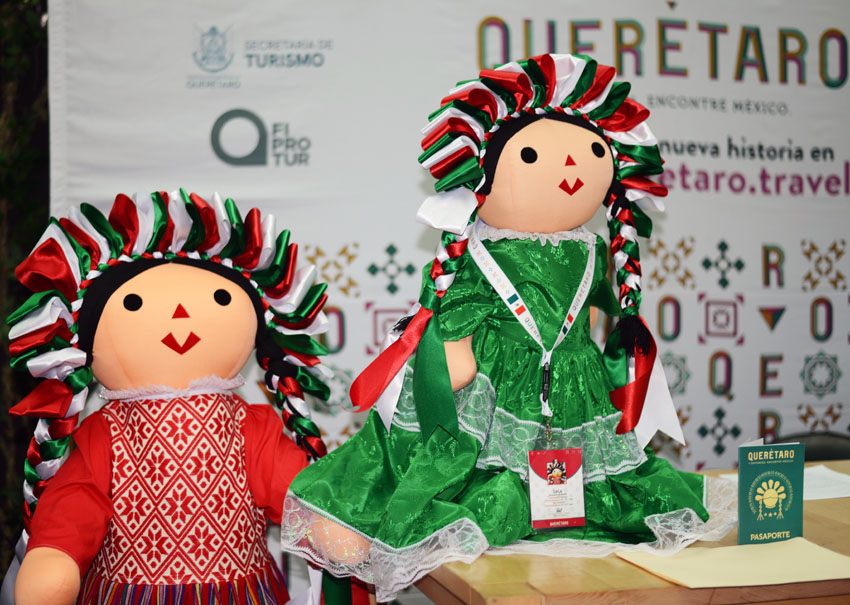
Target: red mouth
(191, 340)
(571, 190)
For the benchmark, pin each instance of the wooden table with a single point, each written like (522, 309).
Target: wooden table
(527, 580)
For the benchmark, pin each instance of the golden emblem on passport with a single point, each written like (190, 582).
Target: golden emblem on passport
(768, 493)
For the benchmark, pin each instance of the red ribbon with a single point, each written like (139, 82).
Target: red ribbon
(50, 399)
(253, 241)
(207, 214)
(124, 219)
(630, 398)
(629, 114)
(372, 381)
(39, 337)
(517, 84)
(46, 269)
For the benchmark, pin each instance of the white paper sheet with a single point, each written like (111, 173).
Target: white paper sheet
(819, 483)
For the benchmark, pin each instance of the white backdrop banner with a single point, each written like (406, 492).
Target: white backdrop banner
(313, 110)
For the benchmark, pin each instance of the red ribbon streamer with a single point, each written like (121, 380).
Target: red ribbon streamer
(50, 399)
(630, 398)
(372, 381)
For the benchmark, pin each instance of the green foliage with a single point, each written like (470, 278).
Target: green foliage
(24, 191)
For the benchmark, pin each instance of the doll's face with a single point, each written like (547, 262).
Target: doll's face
(171, 324)
(551, 176)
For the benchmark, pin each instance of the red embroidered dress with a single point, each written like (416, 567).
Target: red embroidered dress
(164, 497)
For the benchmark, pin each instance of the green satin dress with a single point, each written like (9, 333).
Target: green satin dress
(407, 497)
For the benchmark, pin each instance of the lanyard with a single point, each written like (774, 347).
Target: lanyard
(511, 297)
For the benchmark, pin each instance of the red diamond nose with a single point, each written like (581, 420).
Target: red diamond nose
(179, 312)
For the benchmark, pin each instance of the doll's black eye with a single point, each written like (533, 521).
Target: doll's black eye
(132, 302)
(222, 297)
(528, 155)
(598, 150)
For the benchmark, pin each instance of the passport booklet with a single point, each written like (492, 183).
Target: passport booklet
(770, 492)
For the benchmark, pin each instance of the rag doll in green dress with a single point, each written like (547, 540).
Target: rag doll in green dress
(496, 359)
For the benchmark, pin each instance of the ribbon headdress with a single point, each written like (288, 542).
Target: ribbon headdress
(74, 251)
(455, 144)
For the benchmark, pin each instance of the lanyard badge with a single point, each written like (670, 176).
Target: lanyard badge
(555, 482)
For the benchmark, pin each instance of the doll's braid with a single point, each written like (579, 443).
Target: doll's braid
(625, 251)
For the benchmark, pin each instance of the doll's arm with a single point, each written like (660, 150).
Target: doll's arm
(47, 575)
(70, 520)
(461, 362)
(271, 458)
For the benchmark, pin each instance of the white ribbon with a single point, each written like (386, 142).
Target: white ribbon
(267, 251)
(181, 219)
(568, 70)
(387, 403)
(56, 364)
(448, 211)
(301, 282)
(146, 215)
(659, 413)
(451, 112)
(224, 227)
(44, 316)
(83, 223)
(320, 325)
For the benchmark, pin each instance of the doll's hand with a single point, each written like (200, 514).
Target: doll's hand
(47, 575)
(337, 543)
(594, 314)
(461, 362)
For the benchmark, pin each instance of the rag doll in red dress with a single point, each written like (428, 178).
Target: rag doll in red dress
(165, 494)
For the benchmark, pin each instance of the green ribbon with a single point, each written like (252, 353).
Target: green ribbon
(335, 591)
(584, 82)
(616, 360)
(618, 93)
(34, 302)
(304, 426)
(160, 221)
(432, 388)
(83, 257)
(314, 294)
(645, 154)
(637, 169)
(312, 384)
(236, 243)
(280, 263)
(466, 174)
(54, 448)
(102, 226)
(479, 115)
(300, 343)
(79, 379)
(197, 233)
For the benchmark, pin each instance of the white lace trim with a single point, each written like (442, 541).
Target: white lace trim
(673, 531)
(199, 386)
(389, 569)
(392, 569)
(493, 234)
(506, 440)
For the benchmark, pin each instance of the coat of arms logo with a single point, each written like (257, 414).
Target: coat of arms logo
(212, 53)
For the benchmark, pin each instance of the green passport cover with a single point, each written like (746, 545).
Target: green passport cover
(770, 492)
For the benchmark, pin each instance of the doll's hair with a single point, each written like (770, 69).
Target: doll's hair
(80, 261)
(479, 116)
